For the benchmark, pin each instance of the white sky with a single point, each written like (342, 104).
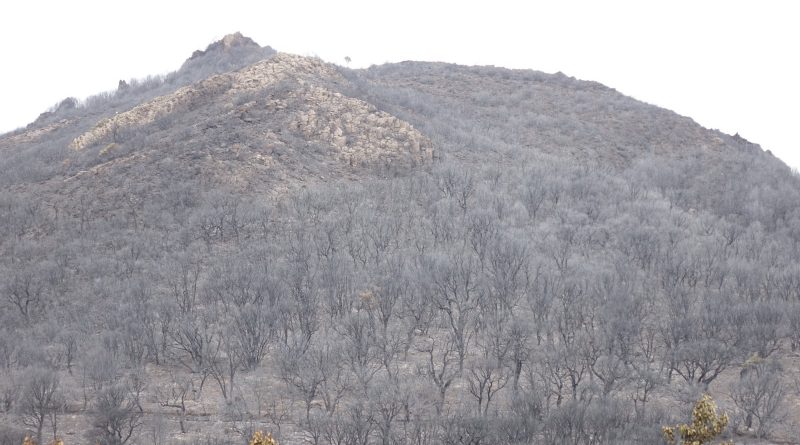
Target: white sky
(730, 65)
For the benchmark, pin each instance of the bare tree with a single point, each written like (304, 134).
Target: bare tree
(458, 295)
(69, 341)
(182, 277)
(459, 186)
(534, 193)
(304, 295)
(485, 377)
(40, 400)
(520, 352)
(116, 415)
(507, 271)
(339, 293)
(26, 292)
(417, 313)
(336, 377)
(252, 329)
(299, 374)
(574, 331)
(196, 342)
(359, 338)
(388, 400)
(440, 366)
(179, 391)
(759, 395)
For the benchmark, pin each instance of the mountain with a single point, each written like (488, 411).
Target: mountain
(414, 253)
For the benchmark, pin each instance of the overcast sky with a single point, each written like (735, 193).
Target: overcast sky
(727, 64)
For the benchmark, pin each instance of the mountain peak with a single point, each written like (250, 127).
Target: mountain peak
(227, 43)
(237, 39)
(232, 52)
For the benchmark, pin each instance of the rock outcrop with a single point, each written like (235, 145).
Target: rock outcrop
(227, 43)
(356, 132)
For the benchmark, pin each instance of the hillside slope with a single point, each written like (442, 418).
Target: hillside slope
(415, 253)
(480, 113)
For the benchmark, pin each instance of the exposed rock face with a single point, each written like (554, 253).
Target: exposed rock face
(150, 111)
(359, 132)
(356, 131)
(233, 52)
(35, 134)
(254, 77)
(227, 43)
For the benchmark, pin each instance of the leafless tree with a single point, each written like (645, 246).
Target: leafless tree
(40, 401)
(180, 389)
(116, 415)
(26, 292)
(760, 395)
(485, 377)
(440, 366)
(458, 295)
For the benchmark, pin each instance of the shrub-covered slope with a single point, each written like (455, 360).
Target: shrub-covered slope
(414, 253)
